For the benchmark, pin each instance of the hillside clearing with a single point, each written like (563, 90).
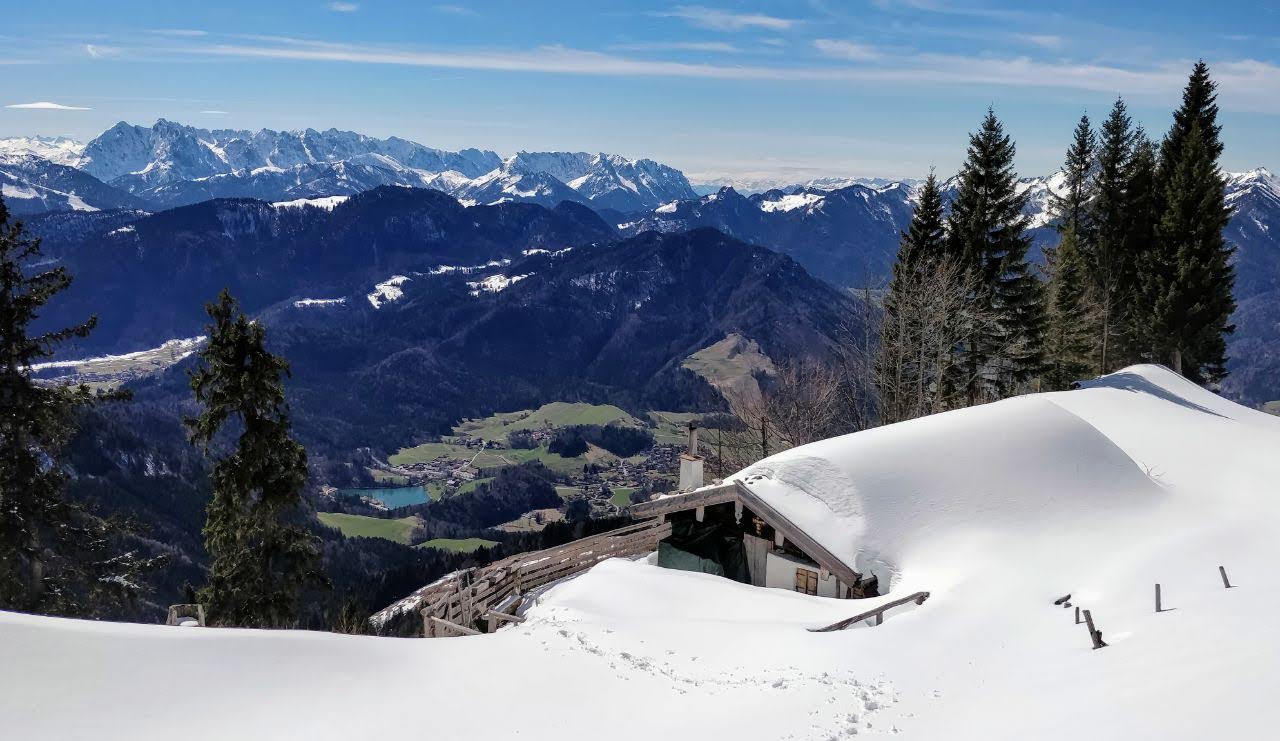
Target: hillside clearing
(360, 526)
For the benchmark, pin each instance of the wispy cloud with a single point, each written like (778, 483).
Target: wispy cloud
(214, 113)
(1047, 41)
(344, 7)
(727, 20)
(456, 10)
(45, 105)
(711, 46)
(841, 49)
(942, 7)
(98, 51)
(1245, 84)
(181, 32)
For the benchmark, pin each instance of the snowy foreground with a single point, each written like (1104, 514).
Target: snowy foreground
(997, 511)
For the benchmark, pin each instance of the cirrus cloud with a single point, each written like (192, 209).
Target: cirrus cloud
(45, 105)
(840, 49)
(725, 20)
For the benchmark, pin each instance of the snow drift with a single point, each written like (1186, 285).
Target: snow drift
(1136, 478)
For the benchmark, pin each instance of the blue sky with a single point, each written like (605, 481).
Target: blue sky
(779, 90)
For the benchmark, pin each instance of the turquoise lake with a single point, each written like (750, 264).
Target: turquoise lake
(400, 496)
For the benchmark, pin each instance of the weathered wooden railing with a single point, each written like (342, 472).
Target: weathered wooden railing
(481, 599)
(877, 613)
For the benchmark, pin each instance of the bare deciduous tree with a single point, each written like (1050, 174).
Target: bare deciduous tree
(929, 317)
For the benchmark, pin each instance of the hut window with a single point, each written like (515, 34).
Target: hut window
(807, 581)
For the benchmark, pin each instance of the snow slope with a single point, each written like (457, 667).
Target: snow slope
(1137, 478)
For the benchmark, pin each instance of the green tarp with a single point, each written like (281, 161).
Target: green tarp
(706, 547)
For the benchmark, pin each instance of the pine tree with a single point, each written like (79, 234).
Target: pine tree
(1069, 339)
(1071, 207)
(1199, 109)
(54, 555)
(987, 235)
(1142, 212)
(1109, 254)
(1187, 279)
(925, 238)
(904, 358)
(261, 555)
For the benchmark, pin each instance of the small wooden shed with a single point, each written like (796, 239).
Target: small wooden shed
(726, 529)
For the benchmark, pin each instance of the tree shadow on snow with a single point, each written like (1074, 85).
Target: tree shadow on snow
(1136, 383)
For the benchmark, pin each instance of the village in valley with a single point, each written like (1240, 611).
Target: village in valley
(604, 482)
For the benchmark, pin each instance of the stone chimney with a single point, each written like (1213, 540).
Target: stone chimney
(691, 462)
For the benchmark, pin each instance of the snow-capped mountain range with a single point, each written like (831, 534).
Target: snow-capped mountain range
(169, 164)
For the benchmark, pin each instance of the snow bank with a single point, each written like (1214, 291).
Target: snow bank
(1137, 478)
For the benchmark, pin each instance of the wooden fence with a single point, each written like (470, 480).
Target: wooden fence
(481, 599)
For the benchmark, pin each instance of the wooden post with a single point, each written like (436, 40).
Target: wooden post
(1077, 614)
(1223, 572)
(1158, 598)
(719, 455)
(764, 437)
(1095, 635)
(700, 513)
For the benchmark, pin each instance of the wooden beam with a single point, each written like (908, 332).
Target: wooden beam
(681, 502)
(877, 613)
(503, 617)
(444, 626)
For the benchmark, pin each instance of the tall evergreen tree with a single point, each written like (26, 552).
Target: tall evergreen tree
(1199, 109)
(1187, 279)
(1109, 253)
(988, 235)
(901, 365)
(1142, 213)
(925, 237)
(1070, 337)
(261, 555)
(54, 556)
(1071, 207)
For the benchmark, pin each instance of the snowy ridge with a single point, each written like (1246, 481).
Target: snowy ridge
(387, 291)
(56, 149)
(326, 202)
(495, 283)
(791, 202)
(176, 164)
(175, 350)
(306, 303)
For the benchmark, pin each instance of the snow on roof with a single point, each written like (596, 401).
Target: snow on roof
(876, 498)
